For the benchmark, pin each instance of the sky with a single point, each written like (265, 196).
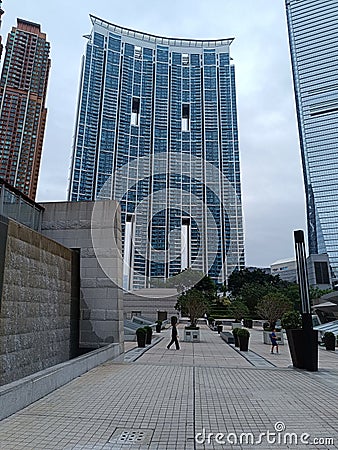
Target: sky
(272, 181)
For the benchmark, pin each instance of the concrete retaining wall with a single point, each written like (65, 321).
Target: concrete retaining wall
(19, 394)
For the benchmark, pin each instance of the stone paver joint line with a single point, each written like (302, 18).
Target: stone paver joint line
(168, 400)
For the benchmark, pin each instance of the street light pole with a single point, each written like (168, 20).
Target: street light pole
(310, 338)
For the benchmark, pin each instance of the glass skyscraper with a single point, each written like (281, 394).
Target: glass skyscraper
(156, 129)
(313, 37)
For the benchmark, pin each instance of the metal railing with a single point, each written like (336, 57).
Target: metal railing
(16, 206)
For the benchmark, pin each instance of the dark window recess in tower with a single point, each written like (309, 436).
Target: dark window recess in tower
(322, 273)
(185, 117)
(135, 112)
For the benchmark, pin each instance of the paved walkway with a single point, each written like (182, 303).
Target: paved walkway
(166, 398)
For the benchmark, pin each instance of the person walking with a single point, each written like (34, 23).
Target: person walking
(174, 337)
(274, 343)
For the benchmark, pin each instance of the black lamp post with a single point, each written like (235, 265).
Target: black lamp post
(309, 336)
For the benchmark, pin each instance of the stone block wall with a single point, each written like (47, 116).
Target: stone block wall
(94, 229)
(35, 304)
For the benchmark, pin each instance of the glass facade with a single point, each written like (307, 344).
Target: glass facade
(156, 129)
(17, 206)
(313, 37)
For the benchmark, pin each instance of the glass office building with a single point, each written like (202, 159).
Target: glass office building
(313, 36)
(156, 129)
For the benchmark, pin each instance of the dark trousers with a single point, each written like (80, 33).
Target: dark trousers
(174, 340)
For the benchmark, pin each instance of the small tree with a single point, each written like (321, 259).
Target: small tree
(238, 310)
(193, 304)
(208, 288)
(251, 293)
(272, 307)
(184, 280)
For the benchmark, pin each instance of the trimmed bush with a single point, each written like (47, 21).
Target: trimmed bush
(243, 332)
(141, 335)
(329, 340)
(291, 320)
(235, 334)
(243, 337)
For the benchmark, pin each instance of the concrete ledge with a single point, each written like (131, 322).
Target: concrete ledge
(227, 337)
(21, 393)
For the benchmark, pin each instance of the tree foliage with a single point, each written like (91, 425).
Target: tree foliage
(272, 307)
(316, 293)
(291, 320)
(250, 295)
(182, 281)
(193, 304)
(250, 286)
(238, 310)
(208, 288)
(239, 278)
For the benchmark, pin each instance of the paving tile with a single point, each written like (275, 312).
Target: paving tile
(170, 396)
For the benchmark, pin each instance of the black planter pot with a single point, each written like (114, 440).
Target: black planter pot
(236, 340)
(158, 328)
(243, 343)
(330, 346)
(148, 336)
(304, 352)
(141, 339)
(248, 323)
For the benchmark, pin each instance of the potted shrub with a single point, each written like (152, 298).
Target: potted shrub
(292, 320)
(243, 337)
(149, 334)
(329, 340)
(247, 323)
(235, 334)
(211, 321)
(304, 354)
(219, 326)
(158, 326)
(141, 335)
